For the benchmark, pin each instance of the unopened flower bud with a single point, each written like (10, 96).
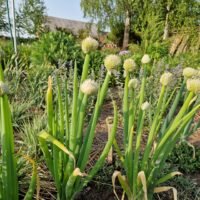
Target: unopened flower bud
(3, 88)
(193, 85)
(133, 83)
(89, 87)
(146, 59)
(189, 72)
(145, 105)
(166, 78)
(129, 65)
(89, 44)
(111, 62)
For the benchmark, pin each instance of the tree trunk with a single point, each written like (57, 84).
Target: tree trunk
(166, 29)
(126, 31)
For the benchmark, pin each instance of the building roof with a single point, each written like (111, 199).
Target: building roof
(74, 26)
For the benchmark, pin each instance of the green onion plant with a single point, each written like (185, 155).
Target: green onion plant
(8, 171)
(172, 116)
(67, 142)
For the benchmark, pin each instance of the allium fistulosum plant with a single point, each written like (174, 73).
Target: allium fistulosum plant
(171, 117)
(8, 171)
(68, 141)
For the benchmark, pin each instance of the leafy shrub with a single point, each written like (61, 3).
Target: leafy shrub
(57, 49)
(158, 50)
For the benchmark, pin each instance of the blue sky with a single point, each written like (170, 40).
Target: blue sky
(69, 9)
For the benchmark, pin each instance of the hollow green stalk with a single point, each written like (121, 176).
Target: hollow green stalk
(176, 123)
(152, 132)
(172, 109)
(66, 116)
(73, 128)
(140, 124)
(8, 169)
(86, 148)
(142, 90)
(126, 109)
(105, 152)
(61, 113)
(129, 150)
(84, 76)
(49, 103)
(161, 155)
(81, 117)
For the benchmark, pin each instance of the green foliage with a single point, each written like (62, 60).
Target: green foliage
(28, 133)
(186, 185)
(97, 58)
(148, 18)
(20, 113)
(184, 14)
(6, 50)
(158, 50)
(55, 49)
(185, 158)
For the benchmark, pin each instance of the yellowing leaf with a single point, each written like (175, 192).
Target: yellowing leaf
(165, 189)
(142, 178)
(124, 184)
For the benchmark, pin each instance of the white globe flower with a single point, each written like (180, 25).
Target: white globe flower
(145, 105)
(89, 87)
(193, 85)
(89, 44)
(166, 78)
(133, 83)
(146, 59)
(111, 62)
(129, 65)
(189, 72)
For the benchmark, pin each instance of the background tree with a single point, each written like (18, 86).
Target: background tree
(108, 13)
(150, 20)
(3, 23)
(31, 17)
